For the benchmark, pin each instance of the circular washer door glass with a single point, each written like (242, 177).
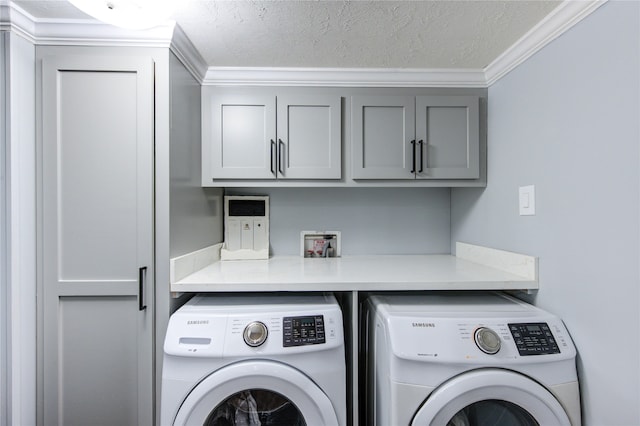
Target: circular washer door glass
(245, 390)
(256, 407)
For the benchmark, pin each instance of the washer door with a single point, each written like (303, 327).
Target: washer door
(256, 392)
(495, 397)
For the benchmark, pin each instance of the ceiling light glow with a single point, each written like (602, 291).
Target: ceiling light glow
(132, 14)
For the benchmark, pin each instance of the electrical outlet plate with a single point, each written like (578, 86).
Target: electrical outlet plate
(312, 242)
(527, 200)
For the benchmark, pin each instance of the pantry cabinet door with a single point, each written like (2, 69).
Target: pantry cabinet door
(382, 137)
(238, 136)
(447, 137)
(309, 137)
(96, 240)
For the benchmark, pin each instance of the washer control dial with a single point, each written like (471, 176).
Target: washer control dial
(487, 340)
(255, 334)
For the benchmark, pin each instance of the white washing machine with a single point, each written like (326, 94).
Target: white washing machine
(255, 360)
(468, 359)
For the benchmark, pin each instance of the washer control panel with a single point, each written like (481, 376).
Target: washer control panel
(301, 331)
(534, 339)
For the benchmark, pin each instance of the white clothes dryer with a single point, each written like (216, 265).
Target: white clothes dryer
(255, 360)
(467, 359)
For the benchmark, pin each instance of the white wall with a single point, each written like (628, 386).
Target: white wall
(196, 212)
(371, 220)
(567, 120)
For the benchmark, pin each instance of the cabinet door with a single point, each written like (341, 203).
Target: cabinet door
(239, 136)
(382, 137)
(447, 133)
(96, 240)
(309, 137)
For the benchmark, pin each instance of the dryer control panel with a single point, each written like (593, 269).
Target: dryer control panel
(300, 331)
(534, 339)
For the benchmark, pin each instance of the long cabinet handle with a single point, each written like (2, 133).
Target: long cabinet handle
(142, 277)
(420, 145)
(280, 149)
(413, 157)
(273, 156)
(426, 153)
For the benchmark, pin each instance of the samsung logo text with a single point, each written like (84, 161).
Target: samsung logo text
(197, 322)
(423, 324)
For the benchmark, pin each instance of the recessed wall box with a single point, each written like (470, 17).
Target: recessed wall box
(320, 243)
(246, 227)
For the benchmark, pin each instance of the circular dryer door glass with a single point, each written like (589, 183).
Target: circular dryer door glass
(492, 412)
(256, 407)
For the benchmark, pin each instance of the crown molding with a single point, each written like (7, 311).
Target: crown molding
(187, 53)
(16, 20)
(94, 33)
(352, 77)
(560, 20)
(79, 32)
(90, 32)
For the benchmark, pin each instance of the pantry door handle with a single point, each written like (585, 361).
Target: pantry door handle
(413, 161)
(142, 278)
(280, 149)
(420, 144)
(273, 148)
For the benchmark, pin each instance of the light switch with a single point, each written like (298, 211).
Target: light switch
(527, 200)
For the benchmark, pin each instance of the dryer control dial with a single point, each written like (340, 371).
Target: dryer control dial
(487, 340)
(255, 334)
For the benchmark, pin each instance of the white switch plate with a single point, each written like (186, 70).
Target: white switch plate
(527, 200)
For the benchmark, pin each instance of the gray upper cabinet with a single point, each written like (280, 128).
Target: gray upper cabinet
(96, 240)
(239, 132)
(447, 137)
(256, 136)
(309, 137)
(381, 134)
(423, 137)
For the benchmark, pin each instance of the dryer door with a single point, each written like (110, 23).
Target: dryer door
(495, 397)
(256, 393)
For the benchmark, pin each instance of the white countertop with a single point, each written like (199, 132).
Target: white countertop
(349, 273)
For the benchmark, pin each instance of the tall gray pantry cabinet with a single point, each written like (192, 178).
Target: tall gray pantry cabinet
(97, 239)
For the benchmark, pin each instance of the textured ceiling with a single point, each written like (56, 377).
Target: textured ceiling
(345, 34)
